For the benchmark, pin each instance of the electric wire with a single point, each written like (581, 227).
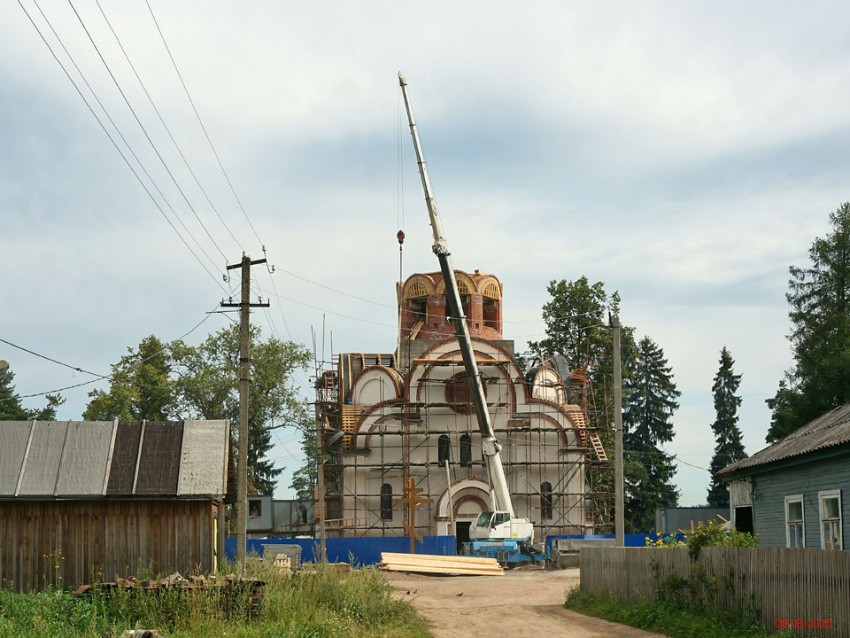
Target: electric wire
(121, 135)
(145, 131)
(339, 292)
(46, 358)
(112, 140)
(217, 158)
(201, 123)
(166, 127)
(98, 377)
(331, 312)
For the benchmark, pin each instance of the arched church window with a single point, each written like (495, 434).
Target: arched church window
(444, 447)
(386, 502)
(546, 500)
(465, 450)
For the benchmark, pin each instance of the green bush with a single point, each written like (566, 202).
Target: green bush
(709, 535)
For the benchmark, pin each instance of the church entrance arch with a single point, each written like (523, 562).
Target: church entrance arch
(468, 498)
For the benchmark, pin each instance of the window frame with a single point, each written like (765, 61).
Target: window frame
(465, 450)
(795, 498)
(444, 450)
(386, 502)
(822, 496)
(547, 509)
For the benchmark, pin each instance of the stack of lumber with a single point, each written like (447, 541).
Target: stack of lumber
(430, 564)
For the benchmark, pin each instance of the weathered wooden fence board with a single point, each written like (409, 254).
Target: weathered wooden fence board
(806, 586)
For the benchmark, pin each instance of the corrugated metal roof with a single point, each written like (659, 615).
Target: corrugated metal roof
(90, 459)
(829, 430)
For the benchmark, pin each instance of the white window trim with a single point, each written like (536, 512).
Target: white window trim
(831, 494)
(795, 498)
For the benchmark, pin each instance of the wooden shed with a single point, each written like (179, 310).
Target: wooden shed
(83, 501)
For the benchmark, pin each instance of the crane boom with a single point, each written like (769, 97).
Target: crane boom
(489, 442)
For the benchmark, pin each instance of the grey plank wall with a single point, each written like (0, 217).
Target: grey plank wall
(68, 543)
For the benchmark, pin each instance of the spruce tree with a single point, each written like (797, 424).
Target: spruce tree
(819, 296)
(649, 403)
(727, 434)
(11, 408)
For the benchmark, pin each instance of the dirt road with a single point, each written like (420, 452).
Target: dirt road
(521, 603)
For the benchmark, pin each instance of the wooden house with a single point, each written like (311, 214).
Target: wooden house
(96, 500)
(794, 493)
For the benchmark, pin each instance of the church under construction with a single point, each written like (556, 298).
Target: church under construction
(392, 422)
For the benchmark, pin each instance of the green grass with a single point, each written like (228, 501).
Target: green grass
(320, 604)
(664, 618)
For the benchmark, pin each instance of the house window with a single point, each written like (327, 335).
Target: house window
(255, 508)
(794, 521)
(444, 447)
(386, 502)
(465, 450)
(546, 500)
(830, 519)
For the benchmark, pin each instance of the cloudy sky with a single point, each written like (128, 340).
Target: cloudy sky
(683, 153)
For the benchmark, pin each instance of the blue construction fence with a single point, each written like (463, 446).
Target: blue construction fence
(359, 551)
(366, 550)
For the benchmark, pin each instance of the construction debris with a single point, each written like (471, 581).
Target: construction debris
(449, 565)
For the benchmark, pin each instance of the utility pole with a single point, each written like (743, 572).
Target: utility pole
(619, 498)
(244, 306)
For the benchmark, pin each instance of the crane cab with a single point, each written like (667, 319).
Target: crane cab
(501, 525)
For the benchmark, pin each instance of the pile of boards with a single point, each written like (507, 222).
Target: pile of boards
(431, 564)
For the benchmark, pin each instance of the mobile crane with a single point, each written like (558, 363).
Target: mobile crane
(498, 533)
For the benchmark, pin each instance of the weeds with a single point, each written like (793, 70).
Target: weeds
(321, 603)
(665, 617)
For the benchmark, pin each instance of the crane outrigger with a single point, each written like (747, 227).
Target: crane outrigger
(497, 533)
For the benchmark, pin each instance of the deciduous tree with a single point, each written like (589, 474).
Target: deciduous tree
(180, 381)
(140, 387)
(207, 385)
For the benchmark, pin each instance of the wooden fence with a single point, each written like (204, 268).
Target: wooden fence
(806, 590)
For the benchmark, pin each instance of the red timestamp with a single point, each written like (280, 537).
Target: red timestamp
(803, 623)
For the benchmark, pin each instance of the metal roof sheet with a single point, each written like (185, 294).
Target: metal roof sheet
(89, 459)
(830, 430)
(16, 434)
(41, 461)
(85, 458)
(203, 464)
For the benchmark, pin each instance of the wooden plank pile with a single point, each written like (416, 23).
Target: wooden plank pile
(430, 564)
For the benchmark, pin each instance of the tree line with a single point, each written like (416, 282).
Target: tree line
(162, 381)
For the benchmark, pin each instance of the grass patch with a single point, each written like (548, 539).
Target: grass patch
(665, 618)
(320, 604)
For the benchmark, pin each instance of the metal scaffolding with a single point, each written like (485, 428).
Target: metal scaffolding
(553, 475)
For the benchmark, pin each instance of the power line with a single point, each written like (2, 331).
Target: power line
(98, 377)
(145, 131)
(201, 123)
(112, 140)
(339, 292)
(331, 312)
(165, 126)
(46, 358)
